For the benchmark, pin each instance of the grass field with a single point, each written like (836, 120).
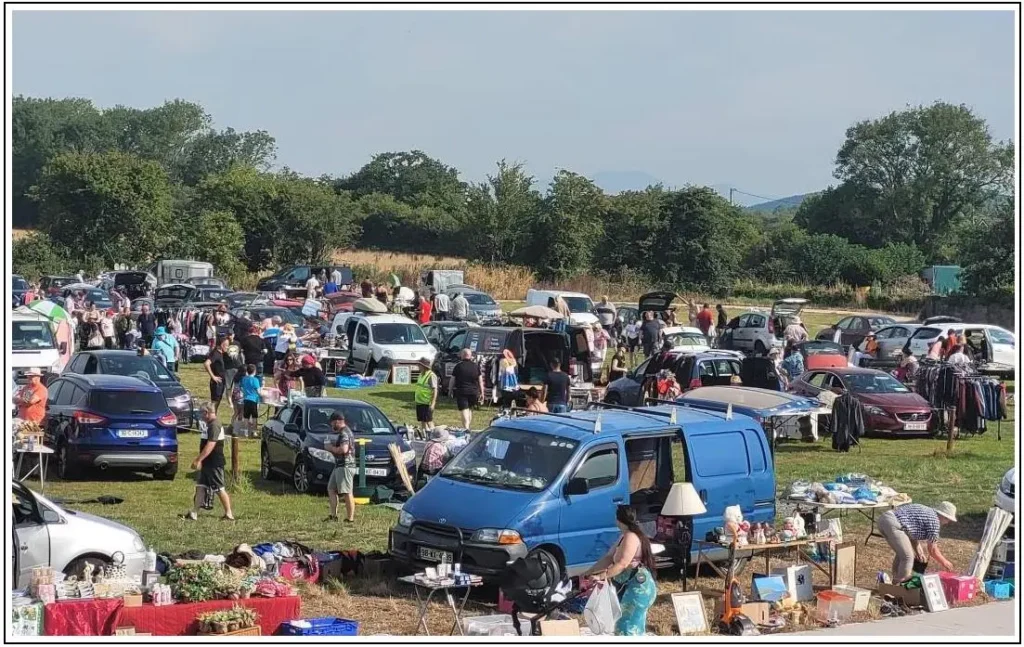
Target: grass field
(272, 511)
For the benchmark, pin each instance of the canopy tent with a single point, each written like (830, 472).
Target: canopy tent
(537, 312)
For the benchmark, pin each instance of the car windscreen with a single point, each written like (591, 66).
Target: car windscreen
(287, 316)
(398, 333)
(173, 293)
(874, 383)
(1000, 336)
(478, 299)
(511, 459)
(132, 365)
(927, 333)
(686, 339)
(61, 281)
(214, 295)
(240, 298)
(360, 419)
(19, 284)
(97, 296)
(821, 348)
(877, 322)
(31, 335)
(579, 304)
(116, 403)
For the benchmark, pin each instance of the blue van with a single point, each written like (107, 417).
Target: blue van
(551, 483)
(104, 421)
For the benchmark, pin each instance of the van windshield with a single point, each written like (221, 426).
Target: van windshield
(31, 335)
(511, 459)
(579, 304)
(398, 333)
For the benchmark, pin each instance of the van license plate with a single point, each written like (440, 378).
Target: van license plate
(376, 471)
(915, 426)
(431, 555)
(132, 433)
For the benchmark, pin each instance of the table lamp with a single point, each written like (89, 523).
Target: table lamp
(683, 501)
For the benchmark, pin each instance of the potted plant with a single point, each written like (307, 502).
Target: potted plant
(193, 582)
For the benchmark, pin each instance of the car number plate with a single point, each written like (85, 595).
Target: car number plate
(432, 555)
(376, 471)
(915, 426)
(132, 433)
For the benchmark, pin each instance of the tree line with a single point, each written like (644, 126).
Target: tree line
(124, 185)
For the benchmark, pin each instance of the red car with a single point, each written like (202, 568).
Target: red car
(341, 301)
(889, 406)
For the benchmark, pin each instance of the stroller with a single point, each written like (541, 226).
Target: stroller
(531, 583)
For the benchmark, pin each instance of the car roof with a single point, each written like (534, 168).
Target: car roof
(850, 370)
(321, 402)
(580, 425)
(119, 382)
(176, 285)
(704, 354)
(745, 395)
(671, 330)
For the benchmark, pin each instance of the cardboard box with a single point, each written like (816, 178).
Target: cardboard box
(132, 600)
(798, 581)
(910, 597)
(958, 588)
(861, 597)
(559, 627)
(758, 612)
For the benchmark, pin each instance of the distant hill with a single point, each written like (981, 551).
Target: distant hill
(619, 181)
(791, 202)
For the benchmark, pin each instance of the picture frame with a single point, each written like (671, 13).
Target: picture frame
(691, 615)
(382, 375)
(934, 594)
(844, 571)
(401, 375)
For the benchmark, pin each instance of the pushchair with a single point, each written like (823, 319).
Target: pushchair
(532, 584)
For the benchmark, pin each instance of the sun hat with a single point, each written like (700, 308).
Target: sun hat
(439, 433)
(947, 510)
(308, 360)
(424, 361)
(33, 372)
(161, 331)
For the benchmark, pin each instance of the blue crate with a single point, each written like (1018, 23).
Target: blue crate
(1000, 589)
(321, 627)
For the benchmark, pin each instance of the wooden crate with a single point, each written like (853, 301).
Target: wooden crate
(248, 631)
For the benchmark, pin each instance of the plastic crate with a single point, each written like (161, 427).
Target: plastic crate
(321, 627)
(1000, 589)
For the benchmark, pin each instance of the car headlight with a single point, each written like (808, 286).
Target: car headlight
(1006, 486)
(321, 454)
(405, 519)
(408, 456)
(875, 411)
(497, 536)
(138, 544)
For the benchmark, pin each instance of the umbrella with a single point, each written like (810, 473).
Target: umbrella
(538, 312)
(49, 309)
(367, 304)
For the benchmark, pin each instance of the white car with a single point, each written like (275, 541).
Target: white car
(47, 535)
(1001, 344)
(581, 306)
(686, 338)
(1006, 495)
(372, 337)
(758, 331)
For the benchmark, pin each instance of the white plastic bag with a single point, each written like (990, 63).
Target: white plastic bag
(602, 610)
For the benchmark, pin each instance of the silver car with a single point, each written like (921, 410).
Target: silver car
(892, 338)
(47, 535)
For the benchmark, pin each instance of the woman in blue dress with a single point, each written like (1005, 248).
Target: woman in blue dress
(630, 566)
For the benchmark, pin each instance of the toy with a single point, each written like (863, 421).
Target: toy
(733, 523)
(788, 530)
(743, 536)
(759, 534)
(800, 527)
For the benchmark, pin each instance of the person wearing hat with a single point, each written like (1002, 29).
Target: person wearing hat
(343, 476)
(313, 378)
(425, 396)
(912, 530)
(285, 340)
(436, 452)
(31, 399)
(795, 332)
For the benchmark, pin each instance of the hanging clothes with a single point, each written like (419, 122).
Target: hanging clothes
(847, 422)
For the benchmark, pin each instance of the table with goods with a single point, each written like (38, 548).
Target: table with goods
(848, 493)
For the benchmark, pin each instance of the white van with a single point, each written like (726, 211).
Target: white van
(998, 343)
(180, 271)
(372, 337)
(35, 344)
(581, 306)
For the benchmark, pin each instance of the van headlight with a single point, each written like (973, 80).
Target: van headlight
(408, 456)
(405, 519)
(502, 537)
(1006, 486)
(321, 454)
(388, 354)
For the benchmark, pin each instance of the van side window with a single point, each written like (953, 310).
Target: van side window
(363, 335)
(723, 454)
(600, 468)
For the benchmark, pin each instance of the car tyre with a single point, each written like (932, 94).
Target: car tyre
(266, 473)
(167, 473)
(613, 398)
(759, 348)
(77, 566)
(301, 476)
(66, 470)
(371, 367)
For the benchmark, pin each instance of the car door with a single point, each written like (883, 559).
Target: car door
(1002, 345)
(891, 339)
(741, 335)
(273, 438)
(292, 437)
(31, 534)
(720, 470)
(449, 357)
(57, 398)
(758, 327)
(811, 384)
(587, 527)
(362, 353)
(858, 327)
(632, 392)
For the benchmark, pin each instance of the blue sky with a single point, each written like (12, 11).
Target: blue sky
(755, 100)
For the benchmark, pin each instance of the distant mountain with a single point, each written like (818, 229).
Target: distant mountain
(619, 181)
(791, 202)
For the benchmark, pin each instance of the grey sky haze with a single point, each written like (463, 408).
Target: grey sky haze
(756, 100)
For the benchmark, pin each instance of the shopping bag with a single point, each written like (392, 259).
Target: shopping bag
(602, 610)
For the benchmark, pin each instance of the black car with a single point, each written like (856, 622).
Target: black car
(291, 281)
(130, 364)
(19, 286)
(51, 285)
(438, 332)
(212, 293)
(174, 295)
(293, 443)
(94, 295)
(132, 284)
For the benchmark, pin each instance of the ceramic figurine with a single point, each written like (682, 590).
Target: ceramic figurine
(759, 535)
(87, 572)
(800, 527)
(788, 530)
(732, 520)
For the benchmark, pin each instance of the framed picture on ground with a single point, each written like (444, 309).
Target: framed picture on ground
(691, 616)
(845, 565)
(934, 594)
(401, 375)
(381, 375)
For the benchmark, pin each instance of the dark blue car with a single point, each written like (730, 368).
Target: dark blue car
(293, 443)
(110, 421)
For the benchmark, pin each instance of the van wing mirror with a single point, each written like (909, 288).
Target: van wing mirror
(63, 347)
(291, 428)
(577, 486)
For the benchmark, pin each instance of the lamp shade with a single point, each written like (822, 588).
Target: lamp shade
(683, 501)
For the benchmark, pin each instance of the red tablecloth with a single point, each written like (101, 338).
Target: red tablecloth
(82, 617)
(179, 619)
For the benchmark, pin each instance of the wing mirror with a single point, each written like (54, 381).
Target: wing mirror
(49, 516)
(403, 431)
(63, 347)
(292, 428)
(577, 486)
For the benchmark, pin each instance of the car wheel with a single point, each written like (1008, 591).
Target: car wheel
(759, 348)
(559, 567)
(613, 398)
(66, 470)
(77, 567)
(266, 473)
(300, 476)
(371, 367)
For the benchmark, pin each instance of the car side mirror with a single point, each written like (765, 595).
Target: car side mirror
(403, 431)
(291, 428)
(50, 516)
(577, 486)
(63, 347)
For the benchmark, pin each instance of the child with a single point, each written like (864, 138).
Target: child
(251, 385)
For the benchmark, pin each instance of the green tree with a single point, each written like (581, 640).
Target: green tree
(570, 225)
(315, 221)
(215, 152)
(35, 255)
(111, 205)
(987, 256)
(820, 259)
(250, 196)
(631, 227)
(411, 177)
(497, 211)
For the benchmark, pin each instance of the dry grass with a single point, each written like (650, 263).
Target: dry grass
(18, 234)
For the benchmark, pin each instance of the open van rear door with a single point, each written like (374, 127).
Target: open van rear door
(656, 302)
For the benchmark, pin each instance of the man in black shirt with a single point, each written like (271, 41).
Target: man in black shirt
(253, 347)
(147, 325)
(556, 388)
(210, 464)
(467, 385)
(216, 370)
(313, 378)
(650, 333)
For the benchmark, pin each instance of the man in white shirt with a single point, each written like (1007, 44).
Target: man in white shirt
(336, 277)
(460, 308)
(312, 285)
(442, 304)
(958, 357)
